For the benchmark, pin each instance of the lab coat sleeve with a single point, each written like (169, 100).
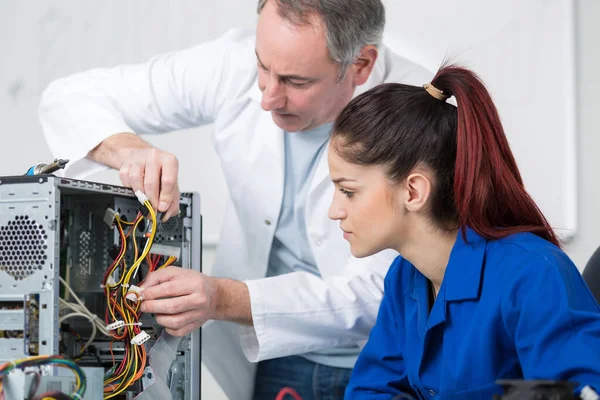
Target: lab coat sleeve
(299, 312)
(171, 91)
(555, 322)
(379, 372)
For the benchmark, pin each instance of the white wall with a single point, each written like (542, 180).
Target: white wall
(588, 100)
(27, 66)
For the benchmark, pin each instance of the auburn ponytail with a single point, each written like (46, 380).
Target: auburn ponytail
(489, 194)
(477, 182)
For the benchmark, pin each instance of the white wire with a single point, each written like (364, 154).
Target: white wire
(80, 307)
(71, 292)
(79, 314)
(147, 245)
(93, 317)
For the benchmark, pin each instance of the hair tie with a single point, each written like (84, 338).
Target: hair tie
(435, 92)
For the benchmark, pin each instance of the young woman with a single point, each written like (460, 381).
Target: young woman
(481, 290)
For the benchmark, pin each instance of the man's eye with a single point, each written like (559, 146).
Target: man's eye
(261, 66)
(297, 84)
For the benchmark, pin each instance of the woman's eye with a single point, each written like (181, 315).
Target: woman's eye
(346, 193)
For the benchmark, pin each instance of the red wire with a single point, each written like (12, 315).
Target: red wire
(290, 391)
(113, 265)
(123, 362)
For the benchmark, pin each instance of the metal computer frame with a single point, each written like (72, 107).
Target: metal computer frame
(32, 225)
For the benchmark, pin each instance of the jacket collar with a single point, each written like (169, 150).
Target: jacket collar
(462, 279)
(465, 268)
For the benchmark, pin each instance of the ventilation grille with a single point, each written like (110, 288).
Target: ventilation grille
(170, 225)
(22, 247)
(84, 250)
(168, 231)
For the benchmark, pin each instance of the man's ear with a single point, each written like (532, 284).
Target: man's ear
(418, 188)
(363, 65)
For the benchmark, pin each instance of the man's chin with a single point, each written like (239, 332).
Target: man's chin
(289, 122)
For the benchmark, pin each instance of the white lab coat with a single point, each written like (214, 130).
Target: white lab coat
(216, 82)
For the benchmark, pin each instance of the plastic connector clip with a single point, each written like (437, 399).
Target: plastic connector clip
(111, 281)
(119, 324)
(142, 198)
(115, 325)
(109, 217)
(140, 338)
(134, 293)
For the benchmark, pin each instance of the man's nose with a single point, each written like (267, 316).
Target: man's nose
(273, 96)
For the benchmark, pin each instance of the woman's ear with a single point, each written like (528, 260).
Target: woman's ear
(418, 190)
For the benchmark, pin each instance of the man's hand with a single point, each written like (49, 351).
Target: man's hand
(155, 173)
(184, 300)
(142, 167)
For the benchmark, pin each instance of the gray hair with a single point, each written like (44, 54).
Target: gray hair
(350, 24)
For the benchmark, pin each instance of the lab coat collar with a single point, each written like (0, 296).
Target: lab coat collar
(271, 133)
(254, 92)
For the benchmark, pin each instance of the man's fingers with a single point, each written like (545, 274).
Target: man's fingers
(174, 207)
(168, 183)
(182, 320)
(185, 330)
(136, 177)
(152, 177)
(172, 288)
(155, 173)
(164, 275)
(124, 174)
(171, 306)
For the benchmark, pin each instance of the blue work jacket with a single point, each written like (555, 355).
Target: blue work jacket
(514, 308)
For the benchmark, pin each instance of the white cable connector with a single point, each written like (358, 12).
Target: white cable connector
(115, 325)
(131, 293)
(140, 338)
(142, 198)
(110, 282)
(109, 217)
(119, 324)
(587, 393)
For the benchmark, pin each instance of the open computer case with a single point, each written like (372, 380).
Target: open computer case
(59, 242)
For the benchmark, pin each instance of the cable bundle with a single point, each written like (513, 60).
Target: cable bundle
(58, 361)
(123, 311)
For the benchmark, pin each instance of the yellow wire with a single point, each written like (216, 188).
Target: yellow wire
(124, 384)
(136, 354)
(118, 218)
(169, 261)
(122, 374)
(139, 260)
